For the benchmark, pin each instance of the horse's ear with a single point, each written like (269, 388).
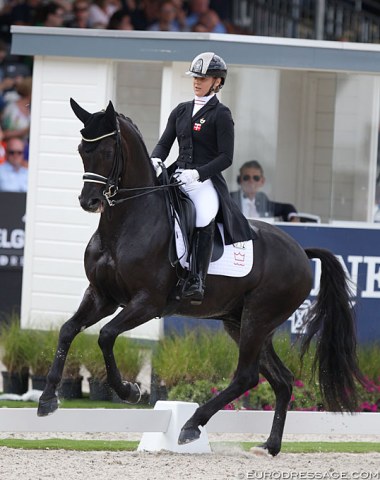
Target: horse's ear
(80, 112)
(111, 113)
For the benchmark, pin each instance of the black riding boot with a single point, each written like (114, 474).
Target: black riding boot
(203, 242)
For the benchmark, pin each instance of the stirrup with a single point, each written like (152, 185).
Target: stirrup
(194, 290)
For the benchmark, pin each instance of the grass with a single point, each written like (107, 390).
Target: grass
(75, 403)
(65, 444)
(131, 446)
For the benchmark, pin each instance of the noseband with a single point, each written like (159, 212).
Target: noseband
(112, 181)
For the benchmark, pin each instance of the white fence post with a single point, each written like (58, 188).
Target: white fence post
(181, 412)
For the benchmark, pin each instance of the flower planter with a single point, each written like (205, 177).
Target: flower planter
(38, 382)
(70, 388)
(15, 382)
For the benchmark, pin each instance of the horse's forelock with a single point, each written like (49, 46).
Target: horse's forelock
(97, 125)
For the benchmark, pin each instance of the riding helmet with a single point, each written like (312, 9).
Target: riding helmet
(208, 64)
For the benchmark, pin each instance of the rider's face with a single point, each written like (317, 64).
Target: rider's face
(202, 85)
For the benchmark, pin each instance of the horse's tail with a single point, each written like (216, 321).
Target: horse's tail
(332, 316)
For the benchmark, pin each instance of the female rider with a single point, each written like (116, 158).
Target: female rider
(204, 130)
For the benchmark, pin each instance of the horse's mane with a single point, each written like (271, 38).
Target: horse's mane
(136, 129)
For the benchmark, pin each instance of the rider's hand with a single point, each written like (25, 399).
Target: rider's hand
(156, 164)
(188, 176)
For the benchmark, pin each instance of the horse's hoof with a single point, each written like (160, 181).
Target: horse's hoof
(264, 449)
(47, 407)
(188, 435)
(134, 393)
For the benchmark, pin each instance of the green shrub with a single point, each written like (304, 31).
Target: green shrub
(129, 358)
(92, 357)
(15, 344)
(42, 349)
(197, 355)
(75, 357)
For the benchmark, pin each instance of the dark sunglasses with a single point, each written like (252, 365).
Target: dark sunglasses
(15, 152)
(256, 178)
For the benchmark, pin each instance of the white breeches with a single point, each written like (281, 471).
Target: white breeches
(205, 199)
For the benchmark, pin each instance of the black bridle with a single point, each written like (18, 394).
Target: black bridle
(112, 181)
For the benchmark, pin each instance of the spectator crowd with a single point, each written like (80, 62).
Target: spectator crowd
(154, 15)
(16, 72)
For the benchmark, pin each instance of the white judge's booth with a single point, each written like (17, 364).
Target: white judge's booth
(308, 111)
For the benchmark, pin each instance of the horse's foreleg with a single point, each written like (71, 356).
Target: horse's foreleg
(281, 380)
(91, 310)
(137, 312)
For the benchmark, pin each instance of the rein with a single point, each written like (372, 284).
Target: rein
(112, 180)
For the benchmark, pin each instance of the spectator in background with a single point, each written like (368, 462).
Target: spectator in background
(80, 14)
(211, 22)
(255, 204)
(120, 20)
(199, 9)
(145, 14)
(11, 70)
(13, 175)
(25, 13)
(180, 15)
(15, 118)
(52, 15)
(101, 11)
(166, 22)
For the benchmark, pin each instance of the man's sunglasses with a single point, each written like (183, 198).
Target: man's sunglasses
(256, 178)
(15, 152)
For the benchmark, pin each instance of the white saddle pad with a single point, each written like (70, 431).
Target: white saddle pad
(236, 261)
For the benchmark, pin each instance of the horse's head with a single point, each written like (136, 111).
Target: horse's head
(97, 149)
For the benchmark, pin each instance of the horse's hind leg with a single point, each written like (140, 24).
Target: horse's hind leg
(90, 311)
(253, 333)
(281, 380)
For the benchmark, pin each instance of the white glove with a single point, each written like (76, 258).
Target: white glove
(156, 163)
(188, 176)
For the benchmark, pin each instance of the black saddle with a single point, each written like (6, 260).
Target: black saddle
(181, 208)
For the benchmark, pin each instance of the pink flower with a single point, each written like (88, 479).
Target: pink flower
(298, 383)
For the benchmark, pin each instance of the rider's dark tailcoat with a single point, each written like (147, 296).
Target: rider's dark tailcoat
(206, 143)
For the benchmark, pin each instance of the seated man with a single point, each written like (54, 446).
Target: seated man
(256, 204)
(13, 174)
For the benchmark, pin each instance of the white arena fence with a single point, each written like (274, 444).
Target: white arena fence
(161, 426)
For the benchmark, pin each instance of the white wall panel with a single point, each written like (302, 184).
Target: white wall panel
(55, 221)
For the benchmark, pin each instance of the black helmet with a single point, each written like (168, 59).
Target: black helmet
(208, 64)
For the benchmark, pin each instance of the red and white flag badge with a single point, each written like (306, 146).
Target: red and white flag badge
(197, 127)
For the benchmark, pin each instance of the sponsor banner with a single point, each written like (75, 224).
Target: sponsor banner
(358, 250)
(12, 230)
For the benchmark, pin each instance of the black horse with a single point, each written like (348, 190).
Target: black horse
(127, 266)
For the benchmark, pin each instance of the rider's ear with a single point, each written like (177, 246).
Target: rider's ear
(80, 112)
